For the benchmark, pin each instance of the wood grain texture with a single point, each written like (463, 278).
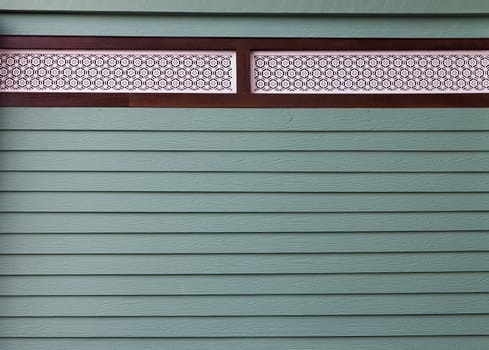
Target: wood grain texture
(249, 228)
(286, 343)
(83, 266)
(270, 182)
(77, 24)
(256, 305)
(304, 326)
(226, 43)
(284, 284)
(176, 264)
(255, 119)
(240, 222)
(229, 7)
(297, 242)
(240, 202)
(242, 141)
(47, 99)
(240, 161)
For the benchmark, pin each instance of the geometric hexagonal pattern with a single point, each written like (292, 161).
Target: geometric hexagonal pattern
(372, 72)
(117, 71)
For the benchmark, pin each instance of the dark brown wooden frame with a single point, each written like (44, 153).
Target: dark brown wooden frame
(243, 97)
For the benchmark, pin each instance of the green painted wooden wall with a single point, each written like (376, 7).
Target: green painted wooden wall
(247, 229)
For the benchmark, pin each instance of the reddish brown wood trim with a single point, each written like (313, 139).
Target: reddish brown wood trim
(176, 43)
(63, 99)
(313, 101)
(243, 63)
(242, 101)
(243, 98)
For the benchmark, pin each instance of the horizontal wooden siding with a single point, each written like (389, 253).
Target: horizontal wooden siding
(244, 228)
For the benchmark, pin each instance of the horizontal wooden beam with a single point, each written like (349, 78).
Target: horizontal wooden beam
(223, 43)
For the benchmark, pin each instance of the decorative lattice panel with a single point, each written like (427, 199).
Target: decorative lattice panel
(118, 71)
(405, 72)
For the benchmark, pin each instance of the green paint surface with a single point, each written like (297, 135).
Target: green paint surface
(254, 6)
(246, 228)
(476, 26)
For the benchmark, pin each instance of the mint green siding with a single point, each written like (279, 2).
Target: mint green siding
(474, 26)
(329, 7)
(246, 229)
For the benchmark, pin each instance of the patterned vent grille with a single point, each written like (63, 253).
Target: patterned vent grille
(118, 71)
(370, 72)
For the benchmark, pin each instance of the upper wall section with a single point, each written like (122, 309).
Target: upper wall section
(316, 7)
(252, 18)
(208, 25)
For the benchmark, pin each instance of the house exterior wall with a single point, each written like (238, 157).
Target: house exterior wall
(244, 228)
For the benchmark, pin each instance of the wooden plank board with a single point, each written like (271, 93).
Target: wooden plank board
(240, 222)
(256, 305)
(246, 26)
(291, 7)
(286, 343)
(239, 202)
(242, 141)
(286, 284)
(242, 263)
(304, 326)
(299, 161)
(242, 182)
(256, 119)
(296, 242)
